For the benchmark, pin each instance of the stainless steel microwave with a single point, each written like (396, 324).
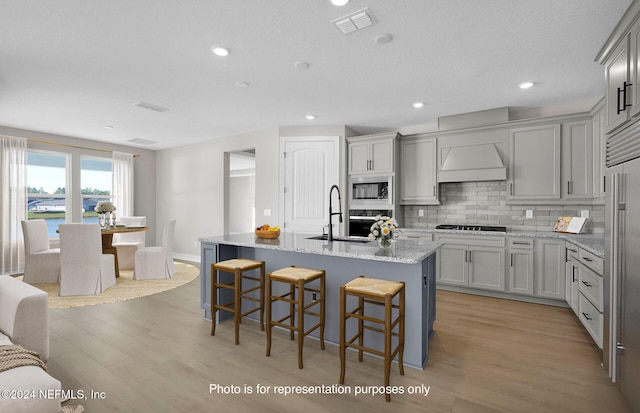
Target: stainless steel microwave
(370, 191)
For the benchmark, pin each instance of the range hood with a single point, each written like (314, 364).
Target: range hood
(470, 163)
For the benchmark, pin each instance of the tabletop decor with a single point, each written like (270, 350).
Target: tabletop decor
(383, 229)
(106, 213)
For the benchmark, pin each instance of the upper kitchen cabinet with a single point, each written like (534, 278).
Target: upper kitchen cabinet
(621, 78)
(577, 160)
(418, 184)
(372, 154)
(534, 163)
(599, 149)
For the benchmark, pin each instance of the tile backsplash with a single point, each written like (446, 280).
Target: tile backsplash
(485, 203)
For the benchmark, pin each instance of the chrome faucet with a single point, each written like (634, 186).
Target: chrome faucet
(331, 213)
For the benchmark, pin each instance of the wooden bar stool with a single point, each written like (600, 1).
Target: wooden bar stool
(381, 293)
(237, 267)
(298, 278)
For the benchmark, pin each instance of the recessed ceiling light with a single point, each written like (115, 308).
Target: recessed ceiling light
(108, 127)
(242, 83)
(418, 105)
(310, 117)
(339, 3)
(525, 85)
(383, 38)
(220, 51)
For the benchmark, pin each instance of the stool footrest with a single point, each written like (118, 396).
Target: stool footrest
(250, 311)
(294, 328)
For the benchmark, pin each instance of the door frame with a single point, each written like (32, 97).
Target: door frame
(336, 147)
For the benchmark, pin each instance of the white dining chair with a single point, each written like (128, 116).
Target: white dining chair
(84, 269)
(41, 263)
(156, 262)
(128, 243)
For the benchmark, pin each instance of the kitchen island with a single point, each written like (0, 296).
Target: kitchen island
(410, 261)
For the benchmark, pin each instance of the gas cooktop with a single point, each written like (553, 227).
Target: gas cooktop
(473, 227)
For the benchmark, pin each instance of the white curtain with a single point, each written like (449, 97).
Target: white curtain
(123, 183)
(13, 203)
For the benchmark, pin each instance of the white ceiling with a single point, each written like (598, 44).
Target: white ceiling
(70, 67)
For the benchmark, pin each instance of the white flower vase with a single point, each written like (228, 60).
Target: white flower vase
(384, 242)
(103, 220)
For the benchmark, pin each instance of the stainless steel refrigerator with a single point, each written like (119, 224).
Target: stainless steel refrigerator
(621, 342)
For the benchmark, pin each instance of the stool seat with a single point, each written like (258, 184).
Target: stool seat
(237, 263)
(296, 273)
(373, 286)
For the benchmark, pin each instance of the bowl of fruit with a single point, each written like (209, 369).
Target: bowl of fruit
(265, 231)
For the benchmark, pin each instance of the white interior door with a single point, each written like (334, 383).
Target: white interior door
(310, 167)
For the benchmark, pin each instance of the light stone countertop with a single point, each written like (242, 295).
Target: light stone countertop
(403, 251)
(594, 243)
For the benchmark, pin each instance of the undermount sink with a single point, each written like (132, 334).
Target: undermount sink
(342, 239)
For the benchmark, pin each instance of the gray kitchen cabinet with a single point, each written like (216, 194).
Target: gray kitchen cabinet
(452, 266)
(476, 262)
(372, 154)
(616, 70)
(551, 268)
(577, 160)
(486, 268)
(418, 171)
(534, 163)
(572, 277)
(621, 81)
(599, 151)
(520, 263)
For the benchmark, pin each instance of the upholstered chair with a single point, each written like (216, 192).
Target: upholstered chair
(84, 269)
(156, 262)
(127, 243)
(42, 263)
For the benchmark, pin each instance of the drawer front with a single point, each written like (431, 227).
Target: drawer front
(591, 318)
(520, 243)
(425, 236)
(592, 261)
(591, 285)
(488, 241)
(573, 252)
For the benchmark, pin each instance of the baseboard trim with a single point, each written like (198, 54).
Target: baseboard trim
(187, 257)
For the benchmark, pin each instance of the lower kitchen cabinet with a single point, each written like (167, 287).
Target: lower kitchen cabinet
(572, 277)
(550, 269)
(466, 262)
(521, 266)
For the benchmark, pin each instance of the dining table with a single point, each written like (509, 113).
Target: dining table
(107, 240)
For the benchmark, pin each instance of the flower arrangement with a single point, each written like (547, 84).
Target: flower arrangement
(383, 230)
(105, 206)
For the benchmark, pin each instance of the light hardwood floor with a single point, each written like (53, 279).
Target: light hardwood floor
(155, 354)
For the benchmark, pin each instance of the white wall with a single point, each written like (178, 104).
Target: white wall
(191, 185)
(242, 196)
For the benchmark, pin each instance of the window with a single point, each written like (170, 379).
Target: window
(47, 188)
(95, 181)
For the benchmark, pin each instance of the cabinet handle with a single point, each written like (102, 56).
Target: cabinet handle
(587, 259)
(434, 190)
(512, 259)
(618, 105)
(520, 243)
(568, 187)
(586, 316)
(586, 284)
(573, 273)
(625, 105)
(510, 188)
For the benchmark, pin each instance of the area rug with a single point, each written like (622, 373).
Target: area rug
(125, 289)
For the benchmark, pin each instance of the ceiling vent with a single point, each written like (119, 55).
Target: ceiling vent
(150, 106)
(354, 21)
(142, 141)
